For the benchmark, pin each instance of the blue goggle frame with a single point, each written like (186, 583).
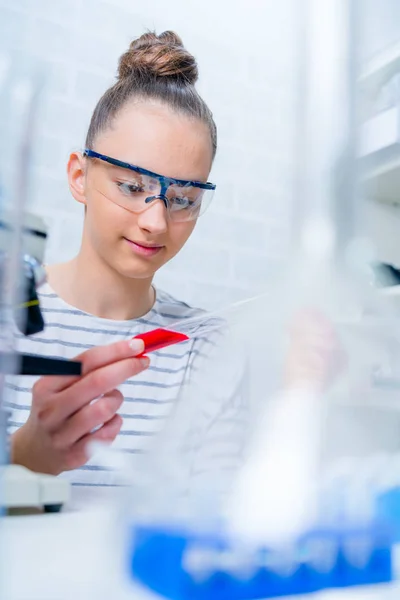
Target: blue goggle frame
(165, 182)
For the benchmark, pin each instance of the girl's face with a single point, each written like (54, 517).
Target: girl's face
(150, 136)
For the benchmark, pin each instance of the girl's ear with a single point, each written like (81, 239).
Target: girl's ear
(76, 170)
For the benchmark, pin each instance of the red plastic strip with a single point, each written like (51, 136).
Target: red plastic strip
(160, 338)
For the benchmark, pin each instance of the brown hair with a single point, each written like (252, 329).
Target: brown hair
(154, 67)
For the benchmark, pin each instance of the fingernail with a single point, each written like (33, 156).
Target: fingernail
(136, 345)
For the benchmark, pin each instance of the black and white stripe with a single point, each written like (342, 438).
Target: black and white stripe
(149, 397)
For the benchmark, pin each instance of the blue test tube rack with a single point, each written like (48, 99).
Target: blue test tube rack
(159, 560)
(388, 508)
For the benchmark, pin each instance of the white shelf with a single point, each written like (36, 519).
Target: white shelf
(382, 223)
(382, 182)
(392, 291)
(380, 132)
(380, 142)
(380, 69)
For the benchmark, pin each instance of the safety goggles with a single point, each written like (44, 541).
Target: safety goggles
(183, 200)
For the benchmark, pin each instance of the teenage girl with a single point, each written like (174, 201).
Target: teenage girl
(143, 181)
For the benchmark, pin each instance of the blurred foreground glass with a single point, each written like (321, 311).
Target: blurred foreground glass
(265, 480)
(20, 85)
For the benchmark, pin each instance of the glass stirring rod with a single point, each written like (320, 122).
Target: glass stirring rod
(183, 330)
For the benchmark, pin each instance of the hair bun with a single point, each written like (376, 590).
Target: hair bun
(159, 56)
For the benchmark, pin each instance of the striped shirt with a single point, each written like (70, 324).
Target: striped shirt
(149, 398)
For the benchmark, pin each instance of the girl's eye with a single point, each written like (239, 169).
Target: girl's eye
(129, 188)
(181, 202)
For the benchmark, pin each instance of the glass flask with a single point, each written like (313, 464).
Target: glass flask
(268, 476)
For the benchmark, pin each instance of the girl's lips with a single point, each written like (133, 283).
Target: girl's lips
(144, 250)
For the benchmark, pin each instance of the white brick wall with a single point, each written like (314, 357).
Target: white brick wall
(245, 50)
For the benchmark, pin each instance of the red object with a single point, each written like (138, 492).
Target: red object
(160, 338)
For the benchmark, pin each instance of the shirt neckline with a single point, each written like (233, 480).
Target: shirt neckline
(47, 289)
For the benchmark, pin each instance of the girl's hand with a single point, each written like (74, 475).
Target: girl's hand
(315, 355)
(64, 418)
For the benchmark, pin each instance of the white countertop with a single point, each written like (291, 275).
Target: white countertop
(75, 556)
(68, 556)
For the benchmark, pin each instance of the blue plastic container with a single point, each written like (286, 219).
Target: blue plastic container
(388, 508)
(158, 559)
